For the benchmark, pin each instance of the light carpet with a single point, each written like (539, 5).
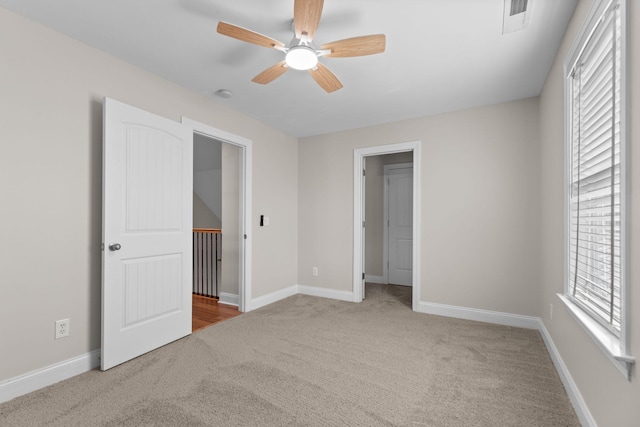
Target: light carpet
(308, 361)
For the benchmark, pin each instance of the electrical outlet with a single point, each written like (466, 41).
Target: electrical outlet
(314, 271)
(550, 311)
(62, 328)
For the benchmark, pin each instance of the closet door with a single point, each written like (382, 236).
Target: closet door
(400, 223)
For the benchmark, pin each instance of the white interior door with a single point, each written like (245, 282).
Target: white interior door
(400, 224)
(147, 222)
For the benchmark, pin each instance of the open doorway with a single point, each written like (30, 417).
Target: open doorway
(371, 251)
(389, 226)
(216, 235)
(236, 151)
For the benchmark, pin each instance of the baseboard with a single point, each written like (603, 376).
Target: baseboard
(375, 279)
(325, 293)
(579, 405)
(229, 299)
(487, 316)
(267, 299)
(35, 380)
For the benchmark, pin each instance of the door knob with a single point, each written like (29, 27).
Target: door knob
(114, 247)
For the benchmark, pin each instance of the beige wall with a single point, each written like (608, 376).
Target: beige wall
(479, 191)
(52, 89)
(374, 209)
(230, 276)
(203, 217)
(611, 399)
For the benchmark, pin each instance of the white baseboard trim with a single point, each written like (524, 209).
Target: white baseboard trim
(579, 405)
(325, 293)
(299, 289)
(267, 299)
(229, 299)
(487, 316)
(375, 279)
(35, 380)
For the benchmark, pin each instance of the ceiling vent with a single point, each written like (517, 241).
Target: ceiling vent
(516, 15)
(518, 6)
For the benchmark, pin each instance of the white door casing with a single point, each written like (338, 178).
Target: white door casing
(147, 211)
(246, 179)
(399, 221)
(358, 161)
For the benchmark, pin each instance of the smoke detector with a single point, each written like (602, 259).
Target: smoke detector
(223, 93)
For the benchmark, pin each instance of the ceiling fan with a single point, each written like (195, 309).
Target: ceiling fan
(301, 54)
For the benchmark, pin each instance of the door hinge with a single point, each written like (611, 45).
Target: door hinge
(362, 224)
(363, 276)
(364, 173)
(245, 237)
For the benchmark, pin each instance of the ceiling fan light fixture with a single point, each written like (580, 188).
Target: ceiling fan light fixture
(301, 54)
(301, 58)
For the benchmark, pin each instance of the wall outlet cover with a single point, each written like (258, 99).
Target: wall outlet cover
(62, 328)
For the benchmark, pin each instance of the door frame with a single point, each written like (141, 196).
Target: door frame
(246, 167)
(358, 211)
(385, 216)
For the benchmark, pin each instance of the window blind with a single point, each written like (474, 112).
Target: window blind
(595, 175)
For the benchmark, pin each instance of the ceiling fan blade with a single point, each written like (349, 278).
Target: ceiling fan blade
(306, 17)
(325, 78)
(248, 36)
(356, 46)
(271, 73)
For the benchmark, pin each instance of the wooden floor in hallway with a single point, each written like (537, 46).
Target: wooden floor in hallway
(208, 311)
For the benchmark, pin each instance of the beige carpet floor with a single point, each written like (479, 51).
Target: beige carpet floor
(308, 361)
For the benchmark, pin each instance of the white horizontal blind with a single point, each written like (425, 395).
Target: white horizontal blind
(595, 175)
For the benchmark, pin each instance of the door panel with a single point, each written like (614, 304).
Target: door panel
(403, 249)
(153, 180)
(400, 216)
(151, 288)
(147, 211)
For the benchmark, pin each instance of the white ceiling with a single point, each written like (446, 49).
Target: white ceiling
(441, 55)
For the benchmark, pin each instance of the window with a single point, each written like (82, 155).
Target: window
(594, 172)
(596, 144)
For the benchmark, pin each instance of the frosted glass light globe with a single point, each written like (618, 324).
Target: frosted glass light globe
(301, 58)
